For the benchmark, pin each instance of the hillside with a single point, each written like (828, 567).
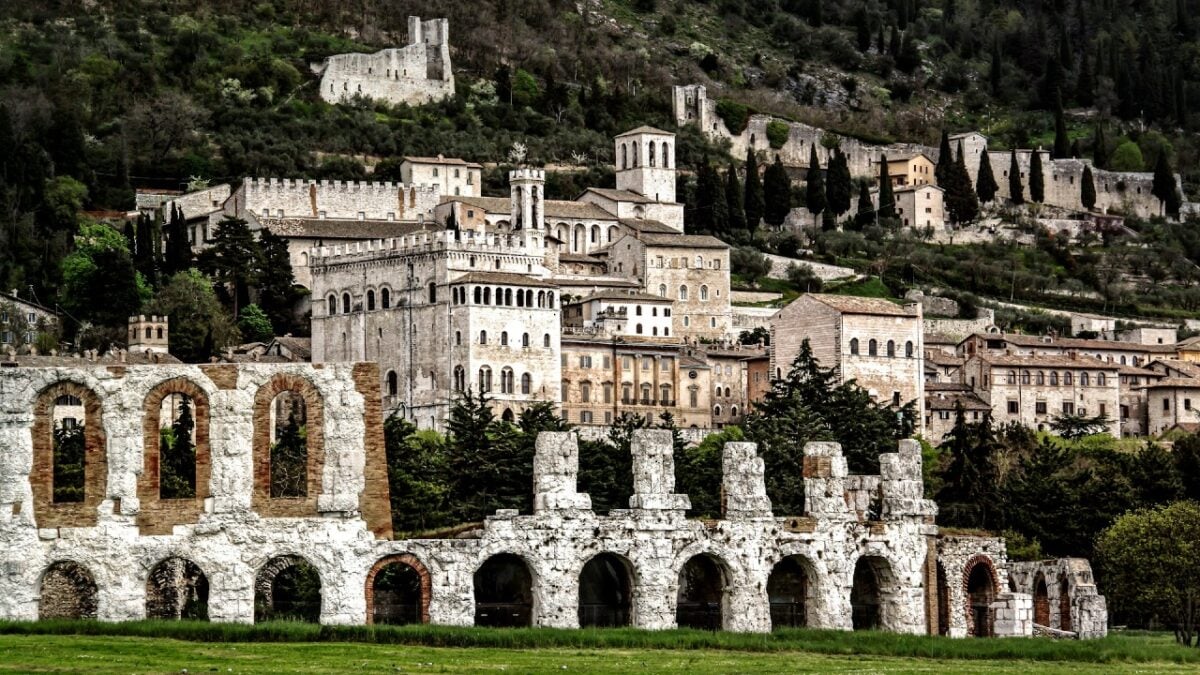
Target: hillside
(123, 94)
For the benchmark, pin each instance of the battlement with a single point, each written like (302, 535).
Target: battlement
(526, 174)
(423, 242)
(280, 184)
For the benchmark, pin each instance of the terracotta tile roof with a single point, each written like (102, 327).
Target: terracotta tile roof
(1174, 383)
(1046, 361)
(316, 228)
(606, 282)
(626, 296)
(555, 208)
(455, 161)
(579, 257)
(1074, 343)
(683, 241)
(851, 304)
(620, 195)
(504, 278)
(648, 226)
(948, 401)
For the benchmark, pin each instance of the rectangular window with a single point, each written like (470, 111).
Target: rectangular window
(608, 417)
(943, 414)
(647, 363)
(1039, 408)
(563, 358)
(1187, 404)
(608, 393)
(585, 417)
(585, 362)
(665, 364)
(1068, 408)
(1013, 408)
(692, 396)
(1103, 409)
(607, 361)
(627, 363)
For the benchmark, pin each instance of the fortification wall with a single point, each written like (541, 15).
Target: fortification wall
(336, 200)
(417, 73)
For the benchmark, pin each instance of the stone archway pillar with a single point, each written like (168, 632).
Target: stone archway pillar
(231, 596)
(654, 589)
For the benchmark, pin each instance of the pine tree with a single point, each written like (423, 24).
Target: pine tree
(231, 260)
(177, 472)
(754, 202)
(777, 192)
(1087, 189)
(815, 183)
(1164, 186)
(1037, 182)
(1100, 148)
(733, 199)
(887, 201)
(1016, 191)
(1062, 143)
(985, 182)
(866, 210)
(839, 186)
(945, 160)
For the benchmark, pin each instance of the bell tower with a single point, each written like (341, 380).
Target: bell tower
(645, 163)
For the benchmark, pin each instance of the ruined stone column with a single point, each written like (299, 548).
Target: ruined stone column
(555, 475)
(654, 474)
(825, 474)
(743, 483)
(230, 434)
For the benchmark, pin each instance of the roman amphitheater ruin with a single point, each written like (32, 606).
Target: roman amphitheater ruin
(866, 553)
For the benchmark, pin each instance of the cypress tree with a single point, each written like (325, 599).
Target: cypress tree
(720, 207)
(1016, 191)
(960, 197)
(815, 183)
(1087, 189)
(1085, 85)
(1037, 184)
(777, 191)
(754, 192)
(1100, 148)
(179, 251)
(945, 160)
(862, 27)
(985, 182)
(1076, 149)
(1062, 144)
(733, 200)
(839, 186)
(866, 210)
(887, 201)
(705, 197)
(995, 71)
(1164, 185)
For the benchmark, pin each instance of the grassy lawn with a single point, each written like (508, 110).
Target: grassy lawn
(93, 654)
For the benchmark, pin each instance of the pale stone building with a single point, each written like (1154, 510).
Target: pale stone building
(1035, 389)
(22, 320)
(626, 313)
(732, 380)
(417, 73)
(921, 207)
(875, 342)
(1120, 353)
(911, 170)
(942, 400)
(451, 175)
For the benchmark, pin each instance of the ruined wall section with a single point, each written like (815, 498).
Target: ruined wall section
(417, 73)
(1088, 612)
(332, 200)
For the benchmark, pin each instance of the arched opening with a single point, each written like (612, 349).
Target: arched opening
(288, 447)
(605, 592)
(981, 591)
(398, 590)
(287, 588)
(789, 589)
(1064, 607)
(68, 591)
(177, 589)
(701, 597)
(177, 462)
(1041, 601)
(393, 383)
(866, 601)
(508, 416)
(503, 592)
(943, 597)
(70, 458)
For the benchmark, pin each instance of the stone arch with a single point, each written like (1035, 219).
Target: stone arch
(67, 590)
(943, 601)
(176, 588)
(606, 591)
(1041, 600)
(503, 590)
(164, 506)
(702, 598)
(980, 585)
(872, 592)
(261, 501)
(792, 592)
(1064, 605)
(78, 509)
(287, 587)
(398, 590)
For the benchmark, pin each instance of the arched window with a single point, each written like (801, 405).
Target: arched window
(1101, 380)
(716, 411)
(524, 339)
(595, 234)
(1012, 377)
(332, 304)
(1084, 380)
(457, 338)
(385, 298)
(483, 337)
(149, 332)
(478, 295)
(612, 233)
(624, 156)
(485, 379)
(854, 346)
(1041, 377)
(460, 378)
(908, 349)
(546, 340)
(699, 262)
(393, 383)
(666, 158)
(1024, 377)
(550, 299)
(520, 298)
(506, 380)
(345, 303)
(508, 299)
(370, 301)
(872, 347)
(526, 383)
(504, 338)
(703, 292)
(1068, 378)
(639, 329)
(662, 290)
(683, 292)
(432, 292)
(891, 349)
(1054, 378)
(487, 295)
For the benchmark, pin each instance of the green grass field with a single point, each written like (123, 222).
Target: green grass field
(296, 648)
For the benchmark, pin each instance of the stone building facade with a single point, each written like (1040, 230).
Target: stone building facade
(451, 175)
(22, 321)
(834, 566)
(920, 207)
(875, 342)
(417, 73)
(1034, 390)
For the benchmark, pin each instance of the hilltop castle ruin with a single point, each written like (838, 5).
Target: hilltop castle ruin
(417, 73)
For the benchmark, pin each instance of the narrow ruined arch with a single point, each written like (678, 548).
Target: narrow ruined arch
(791, 592)
(287, 588)
(703, 595)
(70, 457)
(980, 585)
(67, 591)
(264, 431)
(1064, 606)
(175, 479)
(943, 601)
(1041, 601)
(177, 589)
(868, 602)
(606, 592)
(503, 587)
(398, 591)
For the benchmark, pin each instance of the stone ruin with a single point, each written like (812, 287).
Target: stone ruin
(866, 552)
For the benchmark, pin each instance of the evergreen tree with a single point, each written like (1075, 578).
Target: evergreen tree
(275, 282)
(814, 183)
(995, 71)
(777, 193)
(418, 478)
(1100, 148)
(1062, 143)
(1076, 149)
(985, 182)
(969, 495)
(231, 260)
(1087, 189)
(254, 324)
(839, 186)
(960, 195)
(909, 58)
(1085, 86)
(179, 250)
(177, 464)
(887, 201)
(1016, 190)
(862, 29)
(754, 201)
(1164, 186)
(143, 255)
(945, 160)
(720, 205)
(1037, 182)
(733, 199)
(710, 199)
(866, 210)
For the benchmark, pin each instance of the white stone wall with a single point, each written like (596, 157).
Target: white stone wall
(417, 73)
(1088, 610)
(335, 200)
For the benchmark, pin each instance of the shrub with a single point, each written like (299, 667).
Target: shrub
(736, 116)
(777, 133)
